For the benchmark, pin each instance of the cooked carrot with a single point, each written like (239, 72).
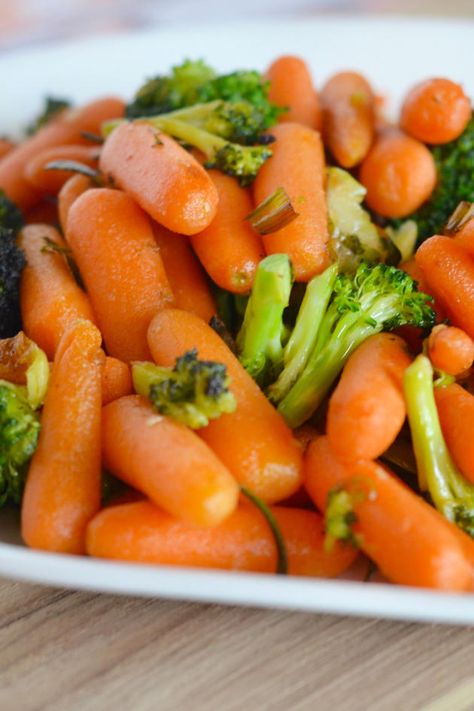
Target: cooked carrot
(408, 539)
(291, 87)
(228, 248)
(456, 414)
(348, 117)
(413, 269)
(166, 461)
(465, 236)
(51, 300)
(116, 380)
(51, 181)
(298, 166)
(70, 191)
(5, 147)
(449, 273)
(162, 176)
(44, 212)
(141, 532)
(66, 127)
(185, 275)
(113, 245)
(62, 490)
(254, 441)
(450, 349)
(367, 409)
(399, 174)
(435, 111)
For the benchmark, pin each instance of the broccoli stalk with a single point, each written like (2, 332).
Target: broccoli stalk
(450, 492)
(259, 340)
(193, 392)
(242, 162)
(375, 298)
(303, 337)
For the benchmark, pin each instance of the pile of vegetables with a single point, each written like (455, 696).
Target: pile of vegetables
(237, 323)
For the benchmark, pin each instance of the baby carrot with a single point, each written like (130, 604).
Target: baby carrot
(62, 490)
(399, 174)
(449, 273)
(50, 298)
(298, 166)
(408, 539)
(165, 180)
(228, 248)
(367, 409)
(142, 533)
(465, 236)
(435, 111)
(51, 181)
(5, 147)
(450, 349)
(113, 244)
(44, 212)
(456, 414)
(66, 127)
(185, 275)
(254, 441)
(291, 87)
(116, 380)
(348, 117)
(166, 461)
(70, 191)
(414, 270)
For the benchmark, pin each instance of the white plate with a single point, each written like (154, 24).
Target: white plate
(394, 53)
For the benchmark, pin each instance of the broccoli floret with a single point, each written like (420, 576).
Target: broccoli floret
(193, 392)
(167, 93)
(260, 338)
(52, 106)
(22, 362)
(242, 162)
(450, 492)
(10, 215)
(195, 82)
(12, 262)
(19, 431)
(455, 166)
(377, 297)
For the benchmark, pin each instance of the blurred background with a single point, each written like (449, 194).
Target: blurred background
(28, 22)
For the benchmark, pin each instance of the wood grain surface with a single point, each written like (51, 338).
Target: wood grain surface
(68, 651)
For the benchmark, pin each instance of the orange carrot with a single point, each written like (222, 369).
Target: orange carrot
(465, 236)
(413, 269)
(254, 441)
(298, 166)
(228, 248)
(5, 147)
(291, 87)
(348, 117)
(456, 413)
(162, 176)
(116, 380)
(113, 245)
(141, 532)
(449, 273)
(50, 299)
(166, 461)
(70, 191)
(44, 212)
(435, 111)
(450, 349)
(408, 539)
(367, 409)
(62, 490)
(187, 280)
(64, 128)
(399, 174)
(51, 181)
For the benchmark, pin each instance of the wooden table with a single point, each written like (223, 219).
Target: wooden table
(68, 651)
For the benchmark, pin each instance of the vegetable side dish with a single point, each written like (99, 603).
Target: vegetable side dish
(237, 323)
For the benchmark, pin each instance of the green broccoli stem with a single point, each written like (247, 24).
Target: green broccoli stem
(144, 374)
(260, 337)
(282, 556)
(206, 142)
(437, 472)
(305, 333)
(196, 114)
